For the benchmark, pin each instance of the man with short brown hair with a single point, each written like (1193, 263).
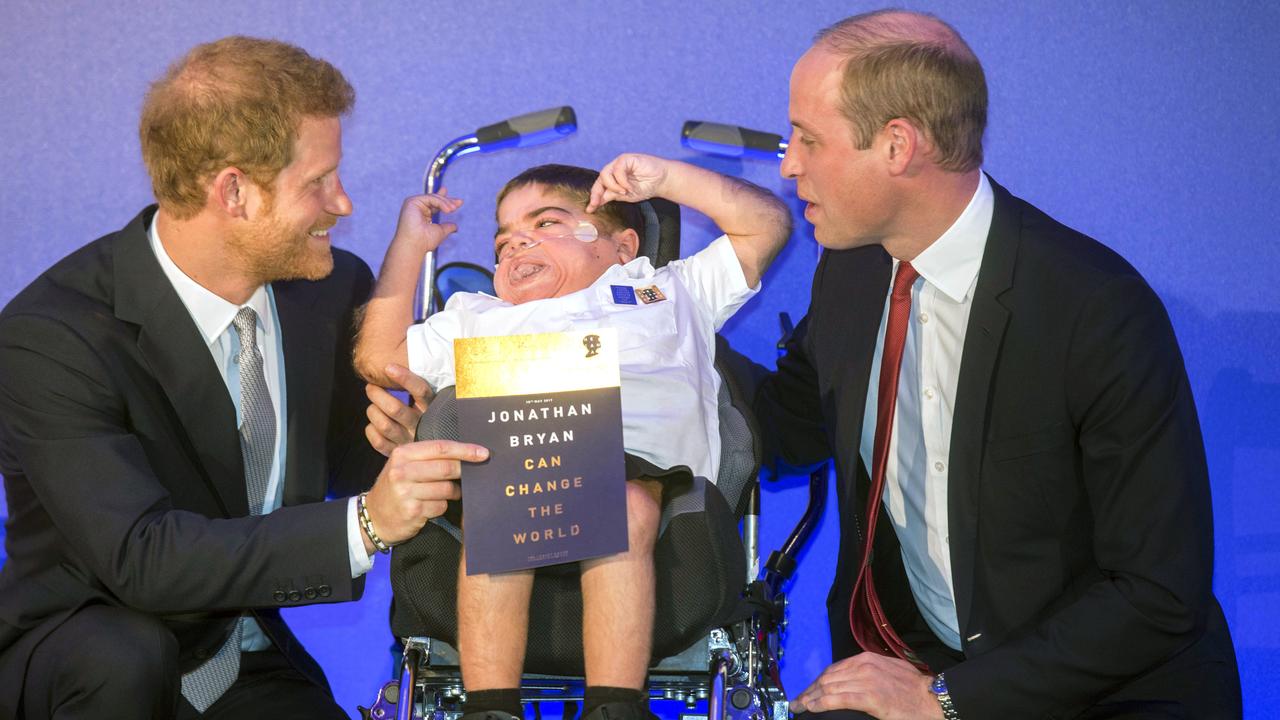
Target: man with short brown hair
(176, 401)
(1008, 412)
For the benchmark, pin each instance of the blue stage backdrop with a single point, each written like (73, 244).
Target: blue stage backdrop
(1149, 125)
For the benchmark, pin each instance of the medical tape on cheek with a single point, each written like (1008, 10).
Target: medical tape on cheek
(586, 232)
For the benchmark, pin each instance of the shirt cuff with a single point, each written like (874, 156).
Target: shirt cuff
(361, 561)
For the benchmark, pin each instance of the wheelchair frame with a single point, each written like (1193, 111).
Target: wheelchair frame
(734, 670)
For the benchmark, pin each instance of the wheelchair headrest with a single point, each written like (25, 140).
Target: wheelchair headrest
(660, 241)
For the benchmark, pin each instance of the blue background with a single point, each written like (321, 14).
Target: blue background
(1150, 125)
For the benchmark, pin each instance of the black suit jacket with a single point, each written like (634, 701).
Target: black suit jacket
(122, 463)
(1081, 532)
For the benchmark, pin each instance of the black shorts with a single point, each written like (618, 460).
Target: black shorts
(673, 479)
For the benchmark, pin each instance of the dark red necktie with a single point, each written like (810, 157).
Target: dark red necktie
(867, 620)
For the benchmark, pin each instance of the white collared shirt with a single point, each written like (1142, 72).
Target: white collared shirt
(212, 316)
(915, 494)
(666, 347)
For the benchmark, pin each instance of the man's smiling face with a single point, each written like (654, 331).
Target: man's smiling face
(537, 253)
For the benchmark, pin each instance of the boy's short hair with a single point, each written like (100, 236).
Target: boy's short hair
(575, 184)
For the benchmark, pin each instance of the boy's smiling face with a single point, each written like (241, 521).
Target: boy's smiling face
(537, 253)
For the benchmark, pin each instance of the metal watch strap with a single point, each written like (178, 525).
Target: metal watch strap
(939, 689)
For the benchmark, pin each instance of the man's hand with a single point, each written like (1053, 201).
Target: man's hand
(887, 688)
(415, 485)
(630, 177)
(415, 227)
(391, 422)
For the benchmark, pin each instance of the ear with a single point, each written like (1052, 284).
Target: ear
(230, 191)
(628, 242)
(902, 142)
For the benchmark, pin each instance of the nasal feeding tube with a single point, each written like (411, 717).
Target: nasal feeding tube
(584, 231)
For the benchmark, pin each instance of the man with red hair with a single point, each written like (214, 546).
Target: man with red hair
(177, 400)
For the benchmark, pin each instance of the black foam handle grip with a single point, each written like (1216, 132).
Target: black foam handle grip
(731, 140)
(529, 129)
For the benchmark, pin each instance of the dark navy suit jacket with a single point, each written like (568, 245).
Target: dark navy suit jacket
(122, 463)
(1081, 530)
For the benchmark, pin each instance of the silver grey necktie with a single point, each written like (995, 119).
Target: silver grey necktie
(204, 685)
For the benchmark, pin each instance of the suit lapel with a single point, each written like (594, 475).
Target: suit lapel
(308, 384)
(868, 285)
(988, 319)
(172, 346)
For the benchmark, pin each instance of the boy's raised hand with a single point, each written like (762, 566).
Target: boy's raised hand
(415, 226)
(630, 177)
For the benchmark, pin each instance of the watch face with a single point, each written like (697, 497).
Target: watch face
(938, 686)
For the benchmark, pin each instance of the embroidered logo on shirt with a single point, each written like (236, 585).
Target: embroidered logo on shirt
(651, 294)
(623, 295)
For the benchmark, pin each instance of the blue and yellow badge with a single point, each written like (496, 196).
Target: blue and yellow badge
(650, 295)
(623, 294)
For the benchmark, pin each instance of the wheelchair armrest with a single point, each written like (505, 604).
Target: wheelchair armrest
(782, 562)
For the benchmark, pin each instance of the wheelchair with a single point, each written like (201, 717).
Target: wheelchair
(719, 617)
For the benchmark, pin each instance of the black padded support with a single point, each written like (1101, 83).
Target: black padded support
(662, 246)
(699, 559)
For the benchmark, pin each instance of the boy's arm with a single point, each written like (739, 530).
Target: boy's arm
(757, 223)
(380, 340)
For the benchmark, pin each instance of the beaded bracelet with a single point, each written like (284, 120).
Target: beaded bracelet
(367, 524)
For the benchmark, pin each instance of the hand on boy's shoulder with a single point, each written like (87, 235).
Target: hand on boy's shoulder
(392, 422)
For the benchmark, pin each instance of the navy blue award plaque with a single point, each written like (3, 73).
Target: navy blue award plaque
(549, 408)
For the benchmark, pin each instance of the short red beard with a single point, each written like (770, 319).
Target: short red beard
(270, 251)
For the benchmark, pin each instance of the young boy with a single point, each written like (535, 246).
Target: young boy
(566, 258)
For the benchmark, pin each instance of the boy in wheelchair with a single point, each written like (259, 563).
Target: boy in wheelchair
(566, 253)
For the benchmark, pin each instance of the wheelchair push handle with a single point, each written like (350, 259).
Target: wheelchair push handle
(731, 140)
(527, 130)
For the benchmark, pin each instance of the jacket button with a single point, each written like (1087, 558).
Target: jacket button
(309, 593)
(325, 590)
(279, 596)
(294, 595)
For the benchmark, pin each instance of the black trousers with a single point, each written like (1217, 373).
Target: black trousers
(111, 662)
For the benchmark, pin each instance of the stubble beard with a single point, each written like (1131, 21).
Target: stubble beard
(271, 251)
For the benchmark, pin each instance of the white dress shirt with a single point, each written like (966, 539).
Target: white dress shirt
(666, 347)
(915, 493)
(212, 316)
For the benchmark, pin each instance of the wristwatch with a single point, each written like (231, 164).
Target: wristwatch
(939, 689)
